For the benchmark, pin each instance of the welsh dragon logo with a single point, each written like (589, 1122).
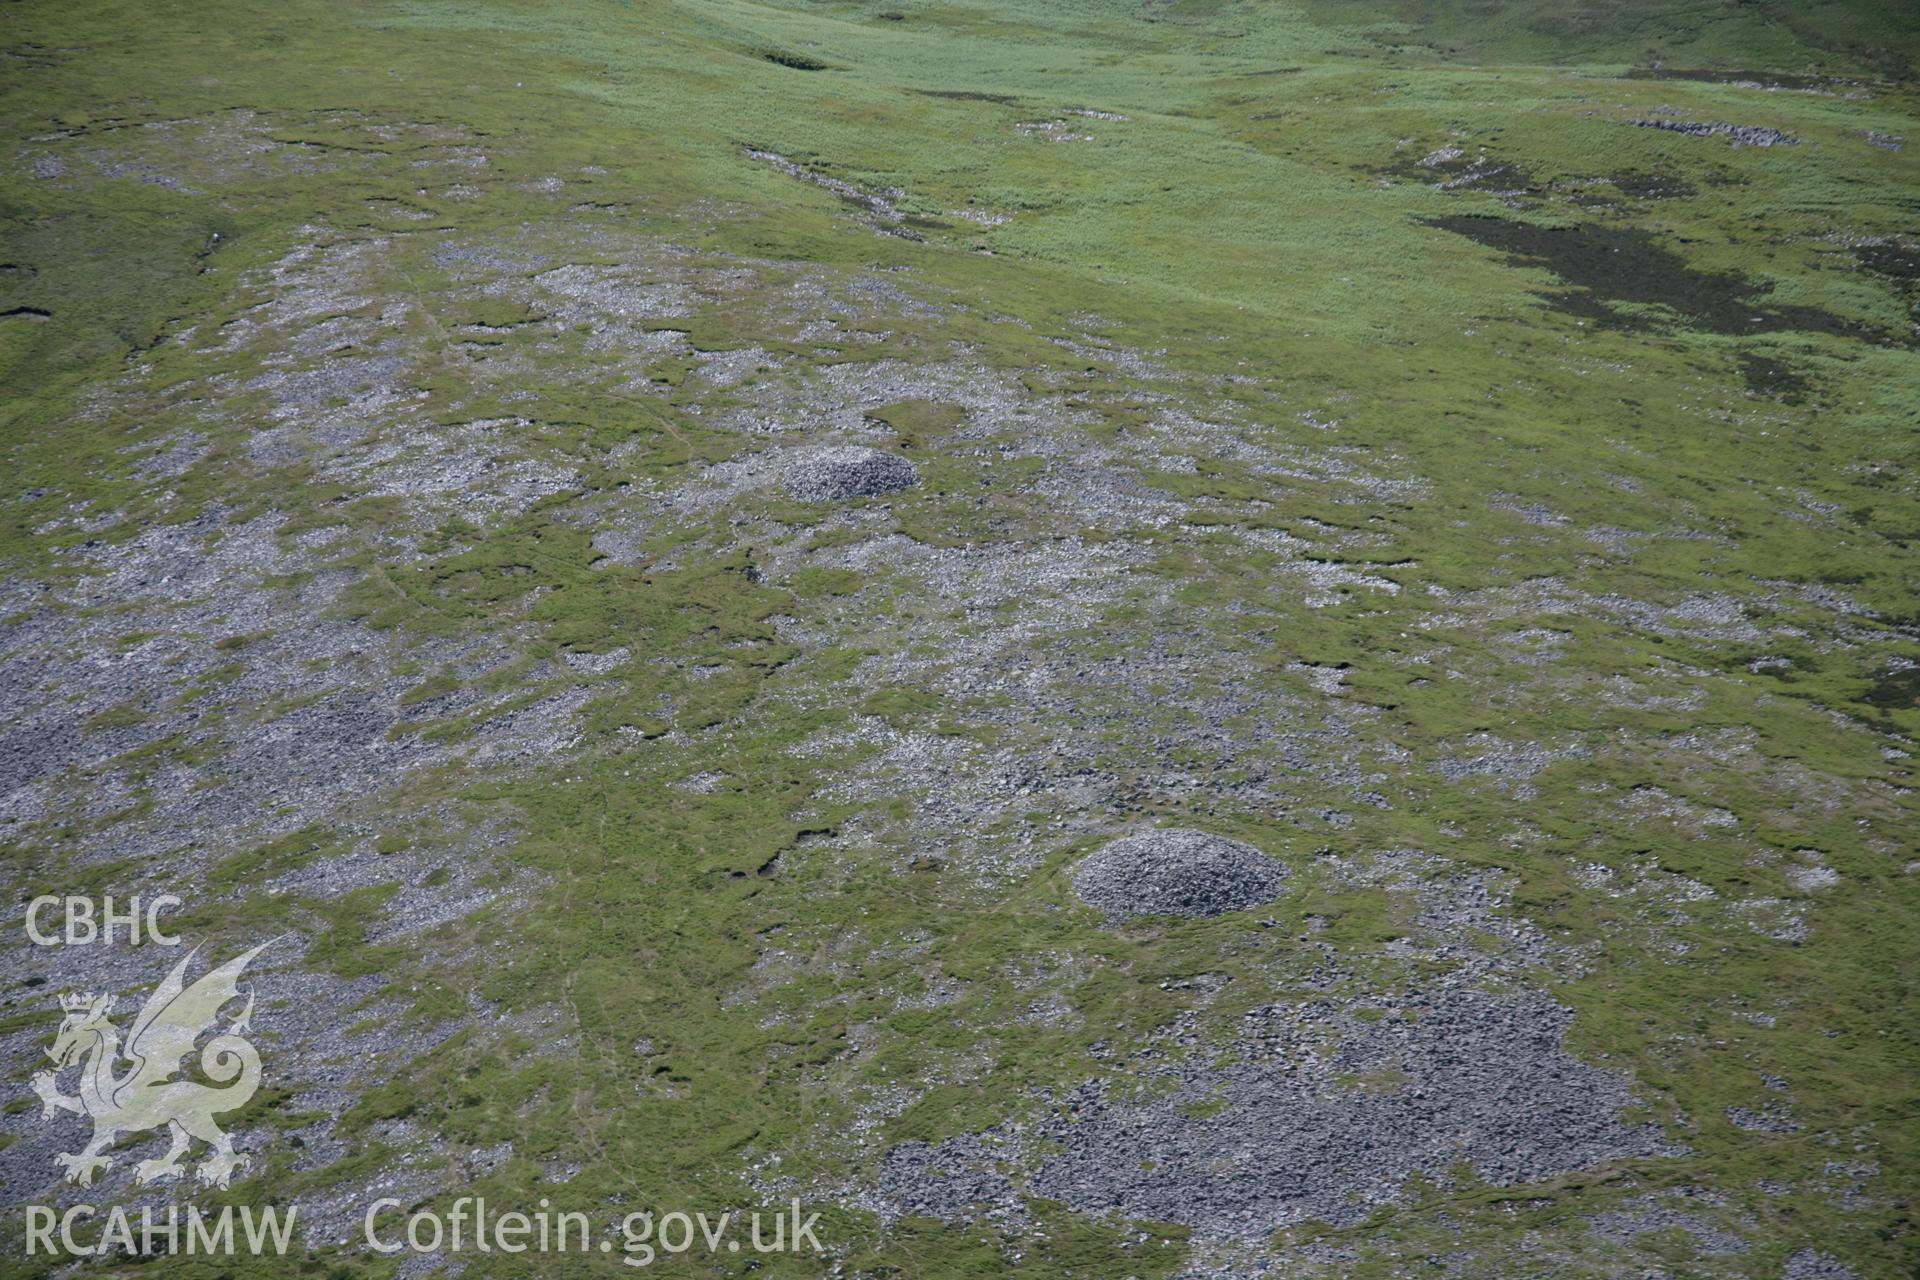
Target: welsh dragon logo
(134, 1087)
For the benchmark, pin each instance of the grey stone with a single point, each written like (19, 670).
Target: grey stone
(1177, 873)
(847, 471)
(1743, 135)
(1810, 1264)
(1328, 1116)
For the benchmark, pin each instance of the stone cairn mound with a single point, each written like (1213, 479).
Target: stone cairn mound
(847, 471)
(1743, 135)
(1177, 873)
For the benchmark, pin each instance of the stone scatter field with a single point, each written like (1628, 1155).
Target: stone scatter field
(1188, 640)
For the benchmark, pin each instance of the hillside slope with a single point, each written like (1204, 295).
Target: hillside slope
(1099, 639)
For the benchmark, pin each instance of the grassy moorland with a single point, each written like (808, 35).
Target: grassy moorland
(1351, 428)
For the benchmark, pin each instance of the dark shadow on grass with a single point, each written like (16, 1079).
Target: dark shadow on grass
(1609, 266)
